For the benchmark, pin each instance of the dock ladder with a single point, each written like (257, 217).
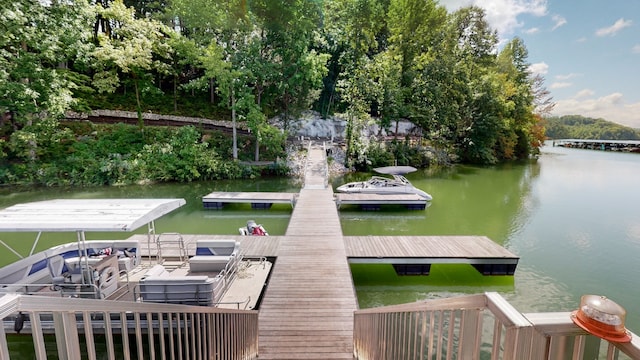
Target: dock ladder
(171, 242)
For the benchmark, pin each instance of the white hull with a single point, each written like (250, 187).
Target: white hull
(384, 185)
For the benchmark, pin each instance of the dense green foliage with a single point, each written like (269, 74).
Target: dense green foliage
(81, 153)
(375, 61)
(579, 127)
(395, 152)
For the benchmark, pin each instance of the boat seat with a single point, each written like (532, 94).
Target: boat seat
(124, 263)
(186, 290)
(217, 247)
(214, 255)
(128, 252)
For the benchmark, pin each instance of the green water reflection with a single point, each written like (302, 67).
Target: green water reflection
(467, 201)
(192, 218)
(378, 284)
(572, 216)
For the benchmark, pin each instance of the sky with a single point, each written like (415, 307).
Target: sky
(588, 51)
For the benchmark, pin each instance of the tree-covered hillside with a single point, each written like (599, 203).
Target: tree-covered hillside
(579, 127)
(247, 61)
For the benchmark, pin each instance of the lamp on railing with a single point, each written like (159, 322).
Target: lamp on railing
(602, 317)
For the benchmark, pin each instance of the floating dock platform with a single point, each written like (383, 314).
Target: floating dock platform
(604, 145)
(375, 201)
(264, 200)
(258, 200)
(413, 255)
(409, 255)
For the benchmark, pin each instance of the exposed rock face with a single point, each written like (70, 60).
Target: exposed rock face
(308, 126)
(311, 125)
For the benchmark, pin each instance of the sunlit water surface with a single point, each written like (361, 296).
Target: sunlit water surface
(573, 217)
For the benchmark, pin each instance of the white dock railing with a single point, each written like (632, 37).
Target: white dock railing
(472, 327)
(129, 330)
(477, 327)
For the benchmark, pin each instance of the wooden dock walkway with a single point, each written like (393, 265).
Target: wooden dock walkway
(307, 309)
(308, 305)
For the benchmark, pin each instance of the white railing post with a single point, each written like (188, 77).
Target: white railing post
(470, 334)
(66, 331)
(518, 330)
(4, 346)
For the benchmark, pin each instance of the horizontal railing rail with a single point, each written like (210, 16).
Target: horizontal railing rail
(482, 326)
(53, 289)
(125, 329)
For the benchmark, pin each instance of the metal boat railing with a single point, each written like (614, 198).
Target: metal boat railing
(90, 291)
(477, 327)
(129, 329)
(230, 273)
(171, 241)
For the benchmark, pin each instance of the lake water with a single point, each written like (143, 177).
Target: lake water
(573, 216)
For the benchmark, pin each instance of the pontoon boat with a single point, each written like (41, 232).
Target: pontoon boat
(151, 268)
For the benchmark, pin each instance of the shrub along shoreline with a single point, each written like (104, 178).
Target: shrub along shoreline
(52, 153)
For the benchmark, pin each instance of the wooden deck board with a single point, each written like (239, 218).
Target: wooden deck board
(307, 310)
(455, 248)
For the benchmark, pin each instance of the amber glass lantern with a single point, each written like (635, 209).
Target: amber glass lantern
(602, 317)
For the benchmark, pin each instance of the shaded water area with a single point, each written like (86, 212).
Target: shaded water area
(573, 216)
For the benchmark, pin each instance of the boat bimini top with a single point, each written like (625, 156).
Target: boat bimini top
(81, 215)
(395, 170)
(85, 214)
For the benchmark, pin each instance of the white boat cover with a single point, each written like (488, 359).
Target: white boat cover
(79, 215)
(395, 170)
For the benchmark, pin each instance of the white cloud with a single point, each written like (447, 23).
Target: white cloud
(560, 85)
(558, 20)
(585, 93)
(531, 31)
(611, 108)
(567, 76)
(539, 68)
(613, 29)
(502, 14)
(562, 81)
(636, 49)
